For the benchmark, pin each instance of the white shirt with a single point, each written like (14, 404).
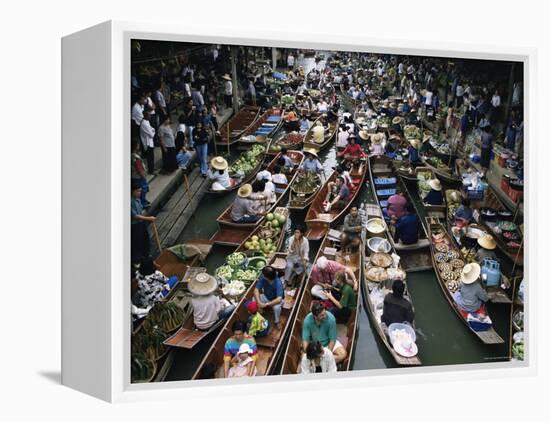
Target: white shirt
(137, 113)
(495, 101)
(187, 89)
(206, 310)
(401, 68)
(159, 97)
(290, 60)
(459, 90)
(342, 139)
(146, 133)
(228, 88)
(429, 96)
(150, 105)
(327, 363)
(181, 128)
(279, 178)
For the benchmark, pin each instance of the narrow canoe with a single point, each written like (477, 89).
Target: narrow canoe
(237, 126)
(330, 134)
(436, 211)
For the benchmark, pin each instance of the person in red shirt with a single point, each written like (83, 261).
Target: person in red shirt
(397, 206)
(353, 150)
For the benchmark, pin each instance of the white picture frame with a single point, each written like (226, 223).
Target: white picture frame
(96, 321)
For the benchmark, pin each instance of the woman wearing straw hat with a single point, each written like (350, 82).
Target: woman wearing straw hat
(434, 197)
(376, 147)
(414, 146)
(218, 174)
(228, 91)
(487, 248)
(243, 210)
(470, 295)
(208, 308)
(311, 162)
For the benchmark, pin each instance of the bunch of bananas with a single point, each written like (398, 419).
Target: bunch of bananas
(166, 315)
(468, 254)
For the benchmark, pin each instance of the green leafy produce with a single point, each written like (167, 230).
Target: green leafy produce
(142, 368)
(235, 259)
(518, 351)
(246, 274)
(225, 272)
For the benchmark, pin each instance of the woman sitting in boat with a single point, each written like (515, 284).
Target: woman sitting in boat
(322, 106)
(311, 162)
(278, 178)
(269, 293)
(318, 132)
(464, 214)
(233, 344)
(208, 308)
(332, 114)
(292, 122)
(287, 162)
(152, 284)
(257, 325)
(434, 197)
(218, 174)
(470, 295)
(297, 260)
(397, 206)
(343, 134)
(242, 364)
(487, 246)
(353, 151)
(261, 197)
(304, 124)
(242, 210)
(407, 227)
(338, 195)
(396, 308)
(323, 275)
(342, 297)
(317, 359)
(414, 146)
(320, 326)
(376, 147)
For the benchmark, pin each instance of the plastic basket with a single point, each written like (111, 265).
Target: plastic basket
(401, 326)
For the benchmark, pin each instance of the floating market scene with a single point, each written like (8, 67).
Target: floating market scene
(297, 211)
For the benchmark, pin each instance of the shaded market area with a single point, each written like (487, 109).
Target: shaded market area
(403, 173)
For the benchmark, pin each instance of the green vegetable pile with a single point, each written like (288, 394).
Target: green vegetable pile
(235, 260)
(287, 100)
(246, 275)
(411, 132)
(225, 272)
(247, 162)
(518, 351)
(384, 120)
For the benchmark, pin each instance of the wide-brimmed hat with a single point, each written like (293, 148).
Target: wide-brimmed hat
(245, 191)
(415, 143)
(377, 138)
(202, 284)
(487, 241)
(386, 103)
(226, 77)
(364, 135)
(322, 262)
(470, 273)
(435, 184)
(219, 163)
(397, 120)
(311, 151)
(393, 105)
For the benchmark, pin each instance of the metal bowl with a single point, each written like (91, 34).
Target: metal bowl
(377, 245)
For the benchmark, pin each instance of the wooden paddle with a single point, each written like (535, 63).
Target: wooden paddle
(156, 234)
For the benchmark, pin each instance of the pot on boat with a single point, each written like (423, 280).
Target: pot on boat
(377, 244)
(488, 214)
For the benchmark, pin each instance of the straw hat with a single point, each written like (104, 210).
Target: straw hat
(435, 184)
(393, 105)
(364, 135)
(470, 273)
(397, 120)
(219, 163)
(226, 77)
(487, 241)
(311, 151)
(377, 138)
(386, 103)
(245, 191)
(415, 143)
(202, 284)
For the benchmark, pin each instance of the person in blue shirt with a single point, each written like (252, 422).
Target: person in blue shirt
(413, 151)
(486, 146)
(269, 293)
(407, 227)
(434, 197)
(464, 214)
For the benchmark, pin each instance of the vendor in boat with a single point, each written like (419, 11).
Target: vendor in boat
(338, 195)
(464, 214)
(233, 344)
(470, 295)
(396, 308)
(376, 147)
(332, 114)
(322, 106)
(297, 260)
(292, 121)
(269, 293)
(311, 162)
(320, 326)
(412, 118)
(218, 174)
(279, 178)
(487, 248)
(364, 136)
(208, 307)
(262, 196)
(343, 299)
(317, 359)
(304, 124)
(407, 227)
(288, 163)
(414, 146)
(141, 242)
(434, 197)
(397, 206)
(318, 132)
(343, 134)
(323, 275)
(396, 123)
(353, 151)
(392, 145)
(243, 210)
(351, 235)
(152, 285)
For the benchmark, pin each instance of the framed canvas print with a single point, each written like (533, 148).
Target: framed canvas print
(270, 211)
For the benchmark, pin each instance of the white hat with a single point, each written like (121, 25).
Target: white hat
(322, 262)
(245, 191)
(470, 273)
(226, 77)
(487, 241)
(202, 284)
(219, 163)
(245, 348)
(435, 184)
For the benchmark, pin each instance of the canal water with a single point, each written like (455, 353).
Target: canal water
(442, 338)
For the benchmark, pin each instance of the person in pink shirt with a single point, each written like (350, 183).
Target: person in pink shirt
(397, 205)
(323, 275)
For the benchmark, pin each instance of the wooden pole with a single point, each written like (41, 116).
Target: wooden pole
(156, 234)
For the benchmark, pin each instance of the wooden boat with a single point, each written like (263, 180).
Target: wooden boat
(424, 174)
(361, 120)
(347, 333)
(301, 200)
(436, 229)
(265, 126)
(231, 233)
(371, 290)
(330, 134)
(260, 231)
(269, 347)
(444, 173)
(405, 170)
(238, 125)
(317, 220)
(289, 140)
(349, 103)
(435, 147)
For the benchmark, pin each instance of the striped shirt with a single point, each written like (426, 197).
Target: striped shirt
(232, 347)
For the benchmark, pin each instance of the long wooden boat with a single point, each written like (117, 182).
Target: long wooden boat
(435, 148)
(347, 333)
(349, 103)
(361, 120)
(330, 134)
(444, 173)
(372, 290)
(289, 140)
(430, 210)
(269, 347)
(231, 233)
(317, 220)
(405, 170)
(265, 126)
(236, 127)
(301, 200)
(436, 229)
